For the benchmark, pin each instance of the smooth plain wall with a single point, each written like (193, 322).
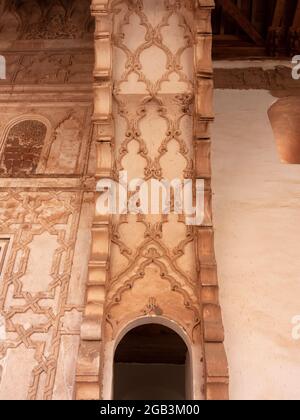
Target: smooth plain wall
(257, 223)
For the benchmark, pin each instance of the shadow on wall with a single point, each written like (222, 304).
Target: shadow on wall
(284, 116)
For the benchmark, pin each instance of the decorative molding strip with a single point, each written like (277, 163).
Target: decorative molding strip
(88, 368)
(216, 368)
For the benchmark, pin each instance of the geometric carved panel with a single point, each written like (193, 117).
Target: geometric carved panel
(34, 300)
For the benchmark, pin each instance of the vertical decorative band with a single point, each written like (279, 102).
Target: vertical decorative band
(88, 367)
(215, 358)
(89, 363)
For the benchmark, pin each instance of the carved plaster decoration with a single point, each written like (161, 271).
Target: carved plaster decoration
(46, 43)
(22, 149)
(152, 111)
(39, 142)
(34, 311)
(40, 68)
(45, 20)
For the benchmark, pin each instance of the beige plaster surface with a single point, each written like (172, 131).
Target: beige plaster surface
(256, 215)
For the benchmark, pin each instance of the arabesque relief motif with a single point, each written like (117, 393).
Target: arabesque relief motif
(56, 67)
(46, 41)
(50, 144)
(36, 318)
(153, 106)
(152, 110)
(153, 88)
(45, 20)
(22, 149)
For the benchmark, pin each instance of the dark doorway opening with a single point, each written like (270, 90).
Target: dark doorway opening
(151, 363)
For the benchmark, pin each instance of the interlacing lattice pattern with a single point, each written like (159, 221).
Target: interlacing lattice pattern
(153, 86)
(34, 320)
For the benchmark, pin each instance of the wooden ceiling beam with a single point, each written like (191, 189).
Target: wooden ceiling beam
(273, 28)
(296, 22)
(278, 16)
(241, 20)
(276, 30)
(294, 33)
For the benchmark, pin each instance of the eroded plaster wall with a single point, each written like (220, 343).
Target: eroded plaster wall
(256, 215)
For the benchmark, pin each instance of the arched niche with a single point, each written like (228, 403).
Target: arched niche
(191, 359)
(22, 145)
(151, 363)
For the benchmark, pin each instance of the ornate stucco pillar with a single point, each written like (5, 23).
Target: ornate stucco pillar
(153, 108)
